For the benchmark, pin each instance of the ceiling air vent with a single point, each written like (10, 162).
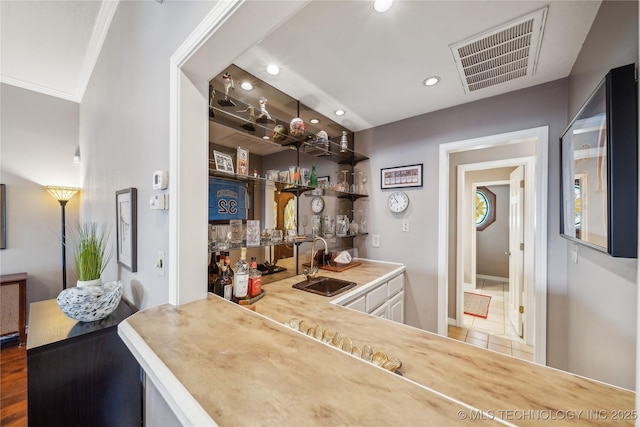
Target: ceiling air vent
(502, 54)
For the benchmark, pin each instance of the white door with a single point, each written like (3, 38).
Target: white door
(515, 305)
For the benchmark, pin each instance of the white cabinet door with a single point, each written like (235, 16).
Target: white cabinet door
(357, 304)
(382, 311)
(396, 308)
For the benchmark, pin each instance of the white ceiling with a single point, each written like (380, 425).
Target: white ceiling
(333, 54)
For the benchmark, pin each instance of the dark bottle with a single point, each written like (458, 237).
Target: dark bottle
(227, 262)
(214, 270)
(218, 286)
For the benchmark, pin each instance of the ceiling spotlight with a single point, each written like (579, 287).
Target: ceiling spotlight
(314, 121)
(382, 5)
(273, 69)
(339, 112)
(431, 81)
(246, 86)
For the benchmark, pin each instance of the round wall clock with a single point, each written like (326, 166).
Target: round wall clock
(317, 204)
(398, 202)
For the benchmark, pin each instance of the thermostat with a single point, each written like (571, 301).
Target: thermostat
(160, 180)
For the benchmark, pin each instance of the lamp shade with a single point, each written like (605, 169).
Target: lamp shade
(62, 194)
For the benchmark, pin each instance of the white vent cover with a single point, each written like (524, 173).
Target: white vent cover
(502, 54)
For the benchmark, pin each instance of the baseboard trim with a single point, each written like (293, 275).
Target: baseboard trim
(451, 321)
(495, 278)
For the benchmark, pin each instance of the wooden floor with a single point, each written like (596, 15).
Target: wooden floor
(13, 387)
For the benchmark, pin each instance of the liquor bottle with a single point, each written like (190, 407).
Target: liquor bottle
(218, 286)
(227, 262)
(313, 179)
(241, 276)
(214, 271)
(255, 278)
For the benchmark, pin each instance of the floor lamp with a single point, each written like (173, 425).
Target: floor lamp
(62, 195)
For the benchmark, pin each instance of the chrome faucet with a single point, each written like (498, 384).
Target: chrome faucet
(313, 270)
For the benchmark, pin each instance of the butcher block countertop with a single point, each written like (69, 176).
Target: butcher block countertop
(217, 362)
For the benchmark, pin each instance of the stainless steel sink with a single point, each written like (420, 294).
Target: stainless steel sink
(325, 286)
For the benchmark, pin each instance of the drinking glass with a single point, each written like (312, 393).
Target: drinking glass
(328, 225)
(253, 232)
(276, 236)
(342, 225)
(305, 174)
(223, 237)
(235, 227)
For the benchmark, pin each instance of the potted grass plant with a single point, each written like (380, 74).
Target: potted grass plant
(92, 253)
(90, 300)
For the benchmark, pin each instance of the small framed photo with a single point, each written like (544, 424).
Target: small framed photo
(224, 162)
(401, 177)
(127, 228)
(243, 161)
(323, 181)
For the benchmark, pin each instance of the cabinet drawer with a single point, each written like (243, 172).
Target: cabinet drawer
(377, 297)
(357, 304)
(382, 311)
(396, 285)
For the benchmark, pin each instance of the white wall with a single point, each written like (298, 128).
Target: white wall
(39, 137)
(601, 290)
(124, 129)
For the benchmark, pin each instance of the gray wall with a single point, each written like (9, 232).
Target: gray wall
(124, 129)
(601, 290)
(493, 241)
(417, 140)
(39, 135)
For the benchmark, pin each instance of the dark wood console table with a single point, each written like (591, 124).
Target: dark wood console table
(80, 373)
(14, 305)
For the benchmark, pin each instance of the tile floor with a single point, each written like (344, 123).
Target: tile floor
(495, 332)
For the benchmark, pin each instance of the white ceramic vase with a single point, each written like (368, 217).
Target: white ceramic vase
(82, 283)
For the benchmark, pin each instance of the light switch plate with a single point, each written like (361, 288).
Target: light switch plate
(375, 240)
(405, 225)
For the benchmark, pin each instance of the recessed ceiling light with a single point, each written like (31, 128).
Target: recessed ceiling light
(246, 86)
(273, 69)
(314, 121)
(339, 112)
(382, 5)
(431, 81)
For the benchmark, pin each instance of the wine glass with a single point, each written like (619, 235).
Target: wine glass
(305, 221)
(364, 180)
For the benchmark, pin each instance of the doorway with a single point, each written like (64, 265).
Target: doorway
(491, 283)
(450, 260)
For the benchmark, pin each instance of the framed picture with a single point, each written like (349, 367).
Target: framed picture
(323, 181)
(224, 162)
(127, 228)
(243, 161)
(3, 216)
(401, 177)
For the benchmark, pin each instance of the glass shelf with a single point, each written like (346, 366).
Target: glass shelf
(238, 117)
(280, 185)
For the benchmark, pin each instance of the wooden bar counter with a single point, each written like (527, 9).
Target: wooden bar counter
(216, 362)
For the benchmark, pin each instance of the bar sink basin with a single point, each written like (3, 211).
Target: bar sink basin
(325, 286)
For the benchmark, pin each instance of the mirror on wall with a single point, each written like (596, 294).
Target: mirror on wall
(599, 159)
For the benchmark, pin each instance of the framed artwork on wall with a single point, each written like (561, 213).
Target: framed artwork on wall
(401, 177)
(127, 228)
(223, 161)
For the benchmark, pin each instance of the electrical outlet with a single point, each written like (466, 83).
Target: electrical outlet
(160, 263)
(375, 240)
(405, 225)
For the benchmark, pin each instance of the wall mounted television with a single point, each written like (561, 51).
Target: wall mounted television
(599, 168)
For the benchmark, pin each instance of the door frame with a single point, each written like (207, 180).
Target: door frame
(540, 172)
(465, 210)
